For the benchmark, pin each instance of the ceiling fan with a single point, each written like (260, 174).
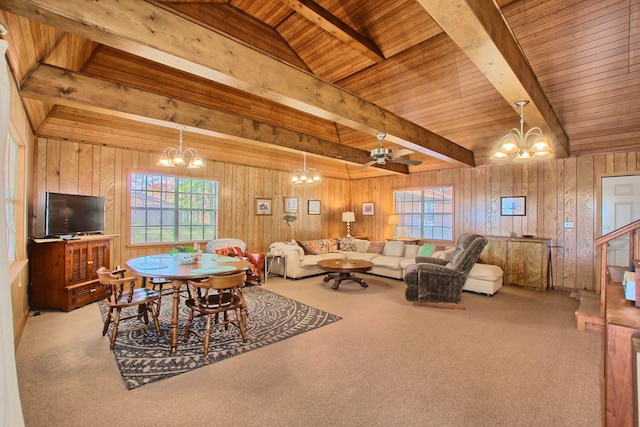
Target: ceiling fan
(382, 155)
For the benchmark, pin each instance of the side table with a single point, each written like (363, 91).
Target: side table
(268, 265)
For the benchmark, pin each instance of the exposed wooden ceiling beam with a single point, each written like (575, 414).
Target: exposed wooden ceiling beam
(328, 22)
(149, 31)
(479, 29)
(72, 89)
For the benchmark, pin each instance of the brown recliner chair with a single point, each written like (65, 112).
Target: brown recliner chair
(439, 283)
(238, 248)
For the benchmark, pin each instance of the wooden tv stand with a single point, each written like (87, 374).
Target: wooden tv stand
(63, 272)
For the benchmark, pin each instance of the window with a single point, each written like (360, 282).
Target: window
(169, 209)
(11, 196)
(426, 213)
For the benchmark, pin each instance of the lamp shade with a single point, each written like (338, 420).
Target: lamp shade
(348, 216)
(394, 219)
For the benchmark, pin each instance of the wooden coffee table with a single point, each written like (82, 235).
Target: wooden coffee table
(344, 269)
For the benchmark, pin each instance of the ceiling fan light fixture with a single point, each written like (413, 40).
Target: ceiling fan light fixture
(519, 146)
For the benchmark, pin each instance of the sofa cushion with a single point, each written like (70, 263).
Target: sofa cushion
(312, 260)
(347, 244)
(406, 263)
(363, 256)
(393, 248)
(485, 272)
(444, 254)
(375, 248)
(411, 251)
(362, 245)
(392, 261)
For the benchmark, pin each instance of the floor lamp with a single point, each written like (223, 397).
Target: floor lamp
(348, 217)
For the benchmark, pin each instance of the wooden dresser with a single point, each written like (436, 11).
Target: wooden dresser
(63, 272)
(524, 261)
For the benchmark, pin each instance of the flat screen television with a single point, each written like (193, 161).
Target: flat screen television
(73, 214)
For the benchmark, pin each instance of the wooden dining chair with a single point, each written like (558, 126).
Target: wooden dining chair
(121, 293)
(215, 297)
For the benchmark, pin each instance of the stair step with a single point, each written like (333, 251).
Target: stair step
(589, 312)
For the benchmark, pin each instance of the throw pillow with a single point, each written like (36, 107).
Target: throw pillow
(347, 244)
(307, 247)
(234, 252)
(394, 248)
(321, 246)
(426, 250)
(376, 247)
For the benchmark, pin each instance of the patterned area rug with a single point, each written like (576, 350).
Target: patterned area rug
(143, 358)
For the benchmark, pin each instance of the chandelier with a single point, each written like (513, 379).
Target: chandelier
(304, 175)
(172, 157)
(520, 146)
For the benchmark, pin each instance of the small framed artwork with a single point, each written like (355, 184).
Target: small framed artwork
(263, 206)
(291, 204)
(367, 208)
(314, 207)
(513, 206)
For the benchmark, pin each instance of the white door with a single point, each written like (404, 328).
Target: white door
(620, 206)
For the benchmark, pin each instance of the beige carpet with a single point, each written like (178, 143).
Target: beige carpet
(514, 359)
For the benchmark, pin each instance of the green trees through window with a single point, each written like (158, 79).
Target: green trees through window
(169, 209)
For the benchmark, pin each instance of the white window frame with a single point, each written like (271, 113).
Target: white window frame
(12, 196)
(426, 212)
(155, 213)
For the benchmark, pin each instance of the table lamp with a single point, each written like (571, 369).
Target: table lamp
(394, 220)
(348, 217)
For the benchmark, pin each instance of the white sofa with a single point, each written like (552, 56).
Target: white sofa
(393, 260)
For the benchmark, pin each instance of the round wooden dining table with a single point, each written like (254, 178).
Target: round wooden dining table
(167, 267)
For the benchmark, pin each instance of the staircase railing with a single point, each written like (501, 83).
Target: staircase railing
(633, 230)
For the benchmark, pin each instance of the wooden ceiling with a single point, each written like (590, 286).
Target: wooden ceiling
(259, 82)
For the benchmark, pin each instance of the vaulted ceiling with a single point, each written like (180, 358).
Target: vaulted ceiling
(259, 82)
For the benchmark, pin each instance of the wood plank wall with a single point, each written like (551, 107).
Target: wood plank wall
(77, 168)
(556, 191)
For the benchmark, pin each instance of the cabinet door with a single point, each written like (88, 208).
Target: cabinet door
(77, 263)
(526, 264)
(83, 259)
(99, 257)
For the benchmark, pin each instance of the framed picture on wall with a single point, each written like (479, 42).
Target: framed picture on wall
(368, 209)
(291, 204)
(513, 206)
(263, 206)
(314, 207)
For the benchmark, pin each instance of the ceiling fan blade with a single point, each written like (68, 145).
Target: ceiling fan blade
(406, 161)
(367, 164)
(402, 152)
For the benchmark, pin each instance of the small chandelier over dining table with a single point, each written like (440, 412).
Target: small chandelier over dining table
(520, 146)
(172, 157)
(304, 175)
